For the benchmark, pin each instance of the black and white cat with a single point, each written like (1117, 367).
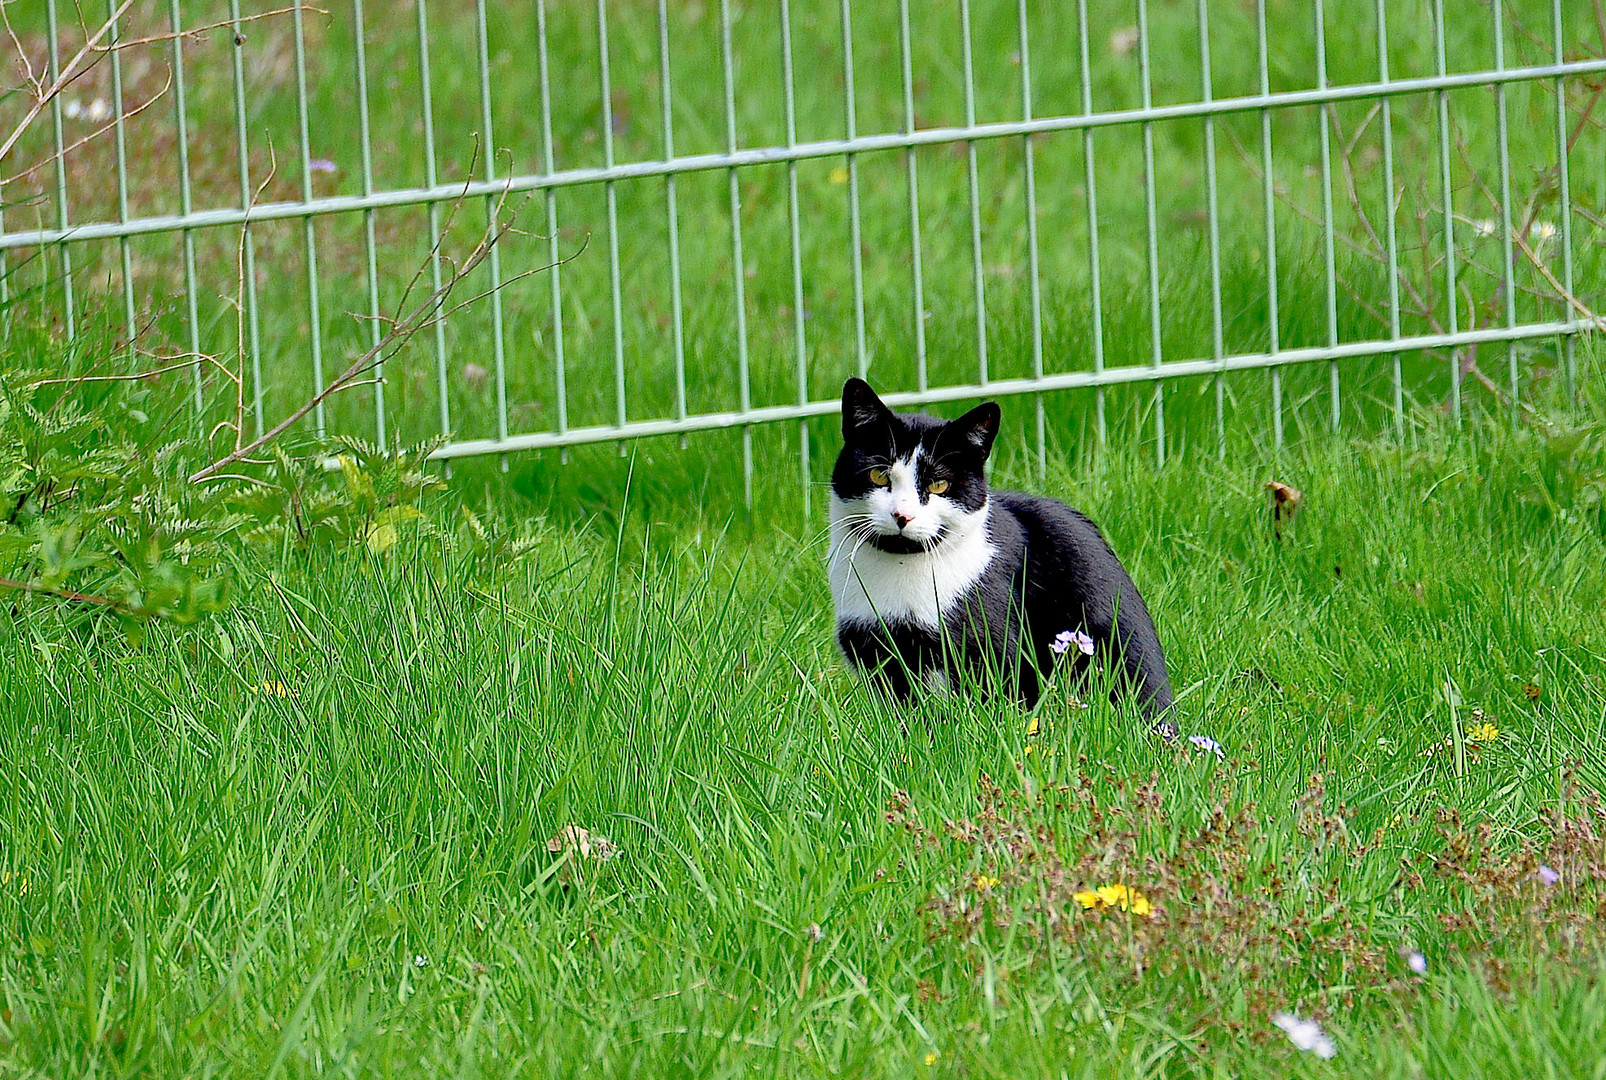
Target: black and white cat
(941, 582)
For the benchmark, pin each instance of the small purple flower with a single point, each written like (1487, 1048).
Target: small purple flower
(323, 165)
(1065, 639)
(1208, 745)
(1547, 875)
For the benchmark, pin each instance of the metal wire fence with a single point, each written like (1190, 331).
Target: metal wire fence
(700, 139)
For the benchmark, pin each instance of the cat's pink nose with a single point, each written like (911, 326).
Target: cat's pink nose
(903, 520)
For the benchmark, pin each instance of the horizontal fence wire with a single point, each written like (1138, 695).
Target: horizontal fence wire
(691, 230)
(776, 155)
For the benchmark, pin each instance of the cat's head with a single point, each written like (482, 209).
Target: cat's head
(907, 480)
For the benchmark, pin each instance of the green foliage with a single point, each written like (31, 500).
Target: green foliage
(94, 516)
(377, 495)
(90, 513)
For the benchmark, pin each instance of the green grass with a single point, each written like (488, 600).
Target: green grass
(200, 877)
(208, 879)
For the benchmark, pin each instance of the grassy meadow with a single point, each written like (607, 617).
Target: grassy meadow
(313, 836)
(615, 808)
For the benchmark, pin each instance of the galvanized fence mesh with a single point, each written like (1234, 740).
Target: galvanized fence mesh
(767, 197)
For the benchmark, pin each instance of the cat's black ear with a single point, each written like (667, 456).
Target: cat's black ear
(861, 408)
(979, 427)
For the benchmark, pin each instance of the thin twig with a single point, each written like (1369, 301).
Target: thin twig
(97, 133)
(65, 594)
(184, 360)
(43, 94)
(403, 326)
(94, 49)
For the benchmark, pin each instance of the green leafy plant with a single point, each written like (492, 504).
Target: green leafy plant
(90, 514)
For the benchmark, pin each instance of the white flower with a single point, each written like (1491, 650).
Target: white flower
(1416, 962)
(97, 111)
(1066, 638)
(421, 961)
(1208, 745)
(1485, 227)
(1544, 230)
(1307, 1035)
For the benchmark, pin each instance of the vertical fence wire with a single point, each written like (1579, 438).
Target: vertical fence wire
(1033, 271)
(426, 104)
(977, 271)
(253, 343)
(1390, 236)
(308, 232)
(1324, 118)
(611, 197)
(1157, 357)
(1508, 283)
(799, 338)
(1269, 202)
(65, 253)
(1564, 193)
(918, 288)
(672, 213)
(554, 272)
(1447, 195)
(851, 130)
(493, 222)
(182, 140)
(1213, 224)
(1095, 296)
(120, 143)
(370, 247)
(738, 268)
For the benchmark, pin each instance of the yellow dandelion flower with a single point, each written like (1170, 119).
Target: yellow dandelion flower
(1033, 727)
(1483, 733)
(985, 883)
(1115, 896)
(839, 175)
(1112, 895)
(931, 1058)
(275, 689)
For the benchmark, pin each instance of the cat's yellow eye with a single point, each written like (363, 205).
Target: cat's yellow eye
(937, 487)
(879, 477)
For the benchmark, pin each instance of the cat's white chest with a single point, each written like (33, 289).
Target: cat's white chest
(870, 586)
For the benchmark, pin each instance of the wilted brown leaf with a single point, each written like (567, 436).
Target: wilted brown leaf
(1285, 500)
